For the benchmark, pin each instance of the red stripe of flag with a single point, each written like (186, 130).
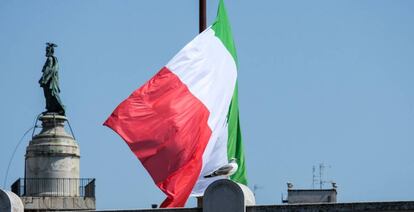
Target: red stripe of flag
(166, 128)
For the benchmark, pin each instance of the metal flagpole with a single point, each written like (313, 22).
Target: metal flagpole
(202, 13)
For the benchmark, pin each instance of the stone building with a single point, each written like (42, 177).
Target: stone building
(52, 165)
(227, 196)
(295, 196)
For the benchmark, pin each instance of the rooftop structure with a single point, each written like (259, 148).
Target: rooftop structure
(52, 164)
(296, 196)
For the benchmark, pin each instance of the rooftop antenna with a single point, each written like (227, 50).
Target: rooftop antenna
(314, 179)
(255, 188)
(321, 169)
(321, 181)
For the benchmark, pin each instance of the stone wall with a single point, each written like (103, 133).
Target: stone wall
(311, 196)
(343, 207)
(58, 203)
(227, 196)
(327, 207)
(158, 210)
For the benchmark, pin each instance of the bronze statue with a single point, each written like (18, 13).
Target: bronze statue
(50, 82)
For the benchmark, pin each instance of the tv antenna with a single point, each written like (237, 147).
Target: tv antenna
(255, 188)
(319, 178)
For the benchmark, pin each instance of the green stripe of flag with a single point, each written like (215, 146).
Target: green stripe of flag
(235, 148)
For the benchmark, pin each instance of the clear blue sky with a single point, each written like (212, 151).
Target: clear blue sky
(320, 81)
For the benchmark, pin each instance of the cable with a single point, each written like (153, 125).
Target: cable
(71, 131)
(15, 149)
(35, 123)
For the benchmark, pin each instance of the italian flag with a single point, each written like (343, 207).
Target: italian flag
(184, 122)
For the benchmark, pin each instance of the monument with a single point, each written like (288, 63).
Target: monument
(50, 82)
(52, 160)
(10, 202)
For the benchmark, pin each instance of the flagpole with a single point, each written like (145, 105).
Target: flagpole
(202, 15)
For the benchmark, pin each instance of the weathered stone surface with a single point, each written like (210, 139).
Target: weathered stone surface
(249, 198)
(58, 203)
(10, 202)
(311, 196)
(327, 207)
(52, 154)
(159, 210)
(52, 170)
(337, 207)
(224, 196)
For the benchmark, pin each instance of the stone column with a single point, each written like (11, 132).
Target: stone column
(52, 160)
(10, 202)
(227, 196)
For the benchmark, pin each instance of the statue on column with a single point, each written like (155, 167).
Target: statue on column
(50, 82)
